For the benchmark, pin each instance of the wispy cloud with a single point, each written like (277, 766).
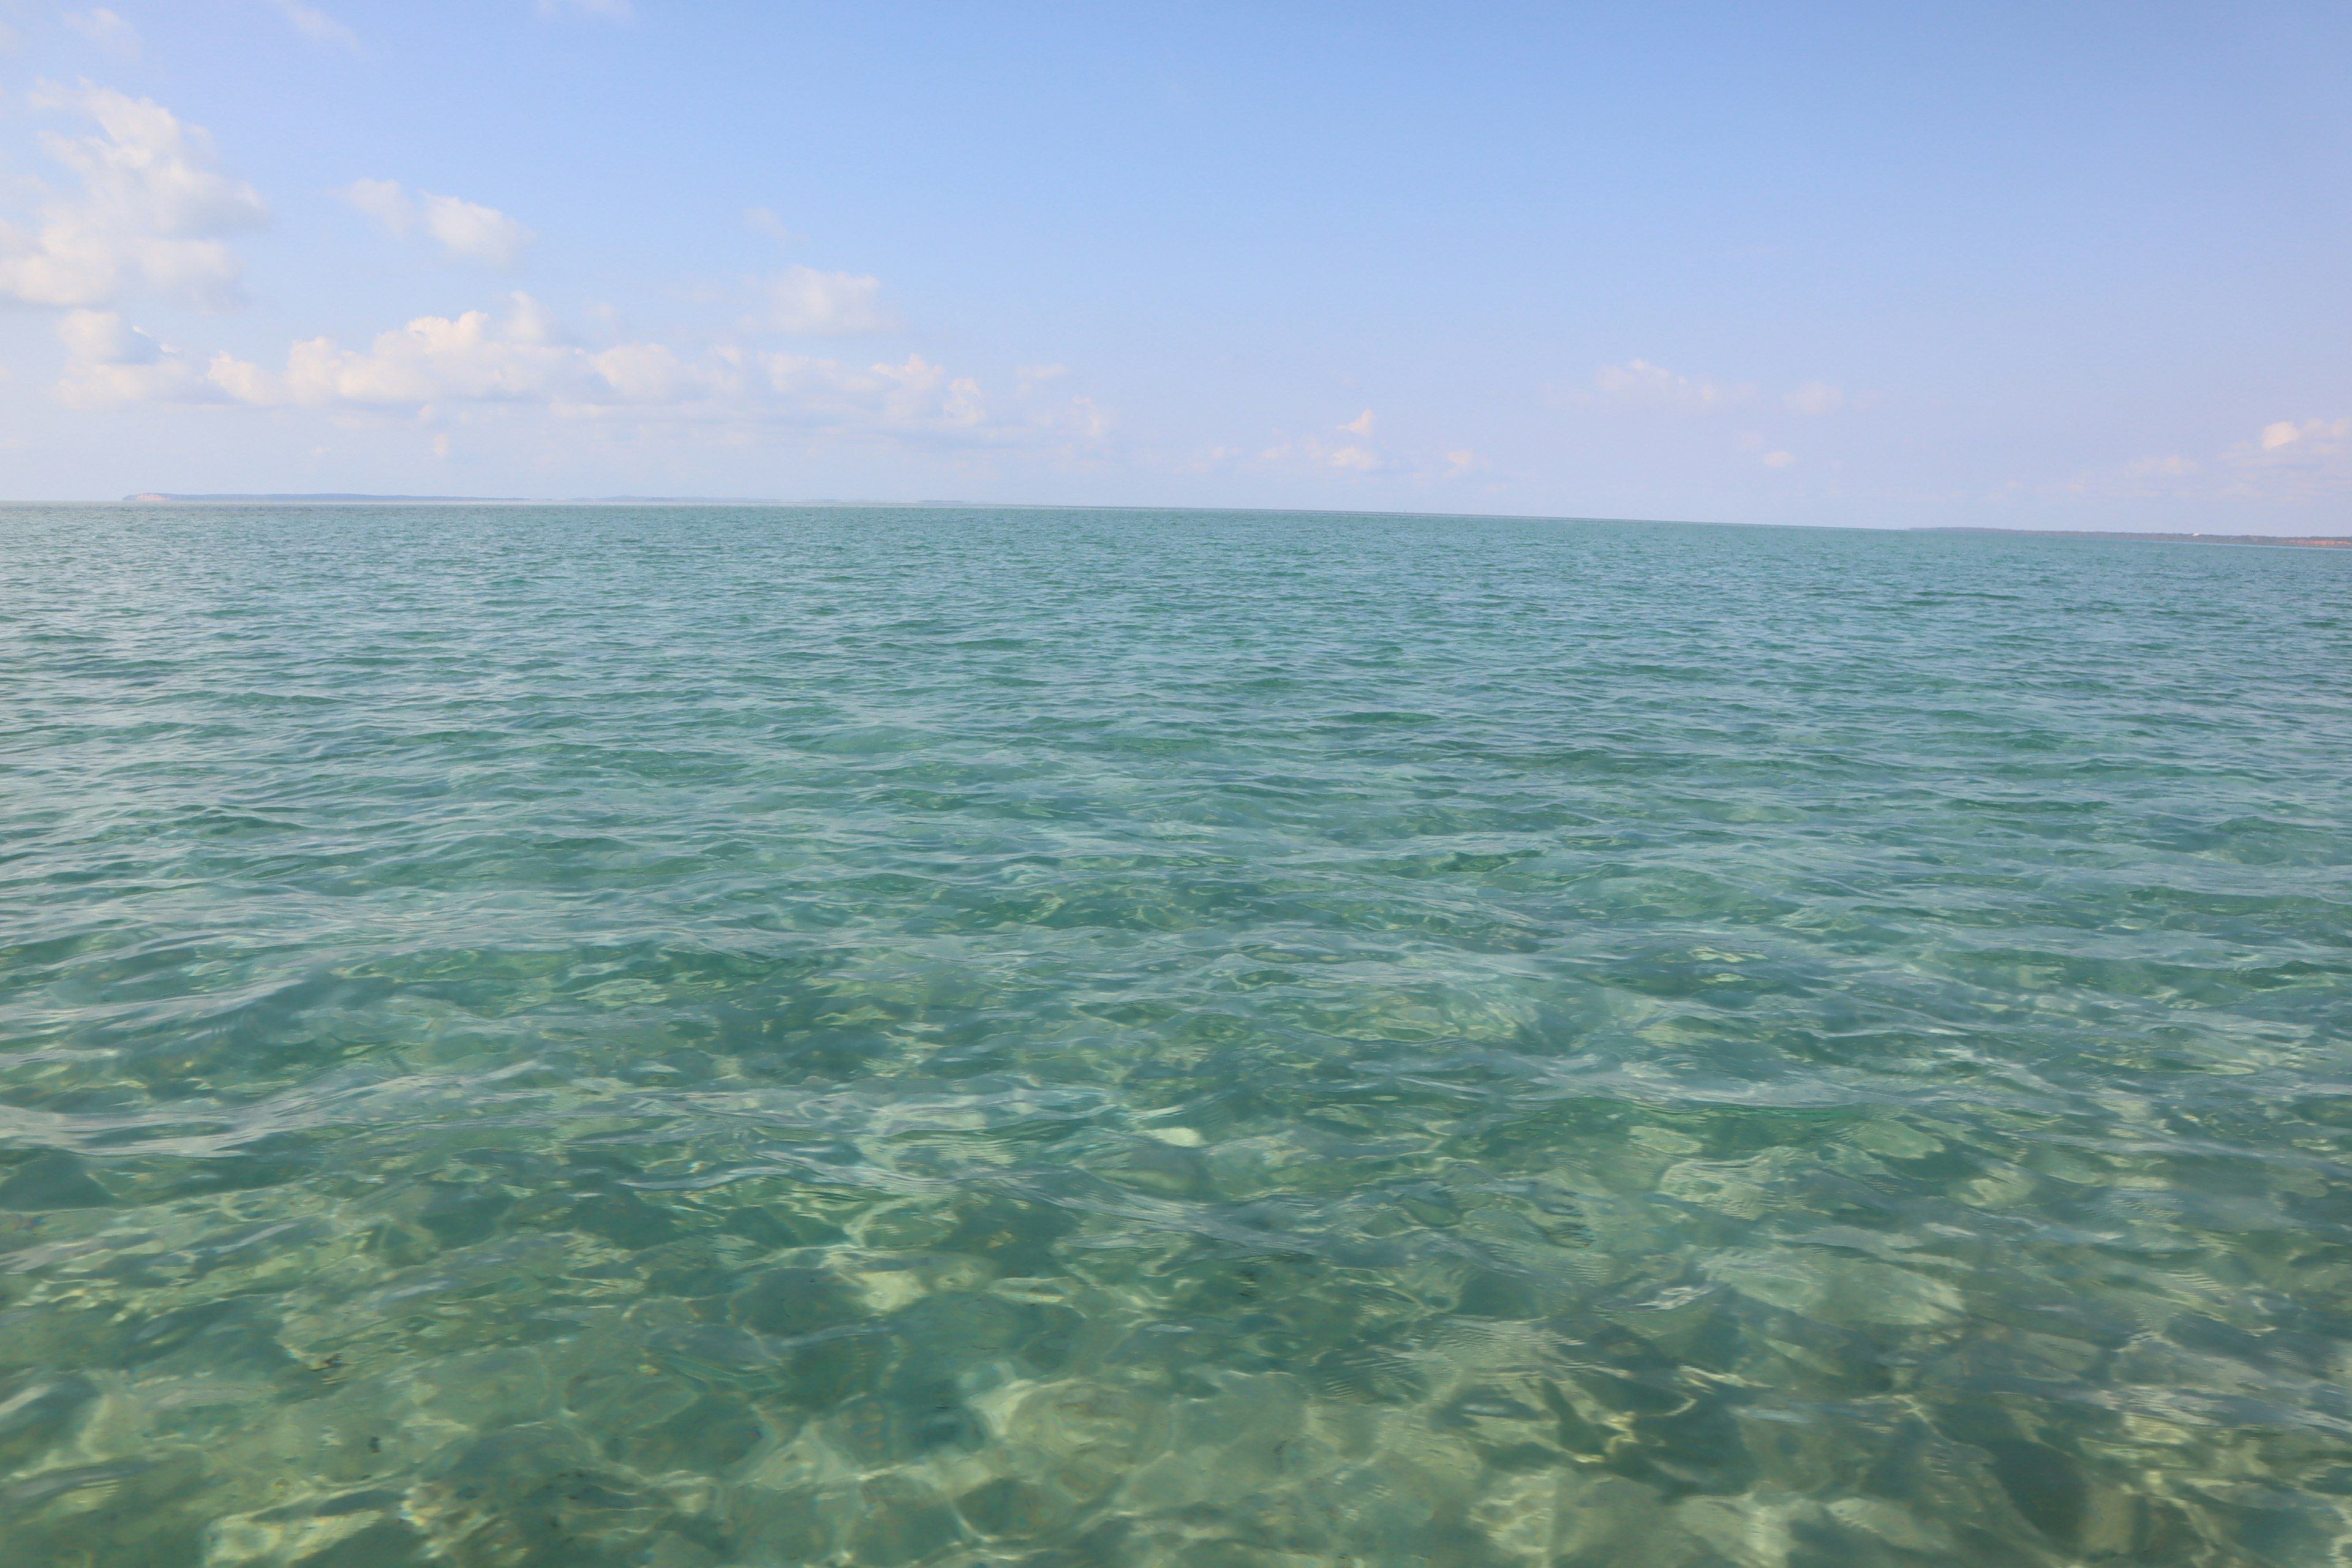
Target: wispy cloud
(2290, 440)
(804, 302)
(470, 229)
(1816, 398)
(618, 10)
(316, 25)
(1357, 455)
(463, 229)
(110, 32)
(1639, 383)
(2294, 460)
(153, 209)
(763, 220)
(383, 201)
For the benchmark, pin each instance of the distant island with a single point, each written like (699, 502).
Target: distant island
(529, 501)
(158, 495)
(2315, 542)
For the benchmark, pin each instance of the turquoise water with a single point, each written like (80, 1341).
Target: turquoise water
(704, 1038)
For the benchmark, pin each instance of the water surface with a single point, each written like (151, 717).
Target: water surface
(557, 1038)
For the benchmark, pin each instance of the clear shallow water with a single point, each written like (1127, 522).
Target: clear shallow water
(694, 1038)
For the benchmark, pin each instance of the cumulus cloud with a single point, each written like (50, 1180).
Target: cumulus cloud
(108, 361)
(107, 30)
(804, 300)
(519, 357)
(1638, 383)
(316, 25)
(1361, 425)
(463, 229)
(152, 207)
(466, 228)
(1779, 460)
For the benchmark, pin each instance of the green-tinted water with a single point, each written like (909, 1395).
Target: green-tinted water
(695, 1039)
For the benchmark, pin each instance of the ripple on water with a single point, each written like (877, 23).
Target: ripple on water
(536, 1037)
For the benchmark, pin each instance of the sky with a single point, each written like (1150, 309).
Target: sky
(2032, 266)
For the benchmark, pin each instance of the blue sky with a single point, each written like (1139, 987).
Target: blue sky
(2061, 267)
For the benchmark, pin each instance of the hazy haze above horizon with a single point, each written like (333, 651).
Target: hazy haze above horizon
(1995, 266)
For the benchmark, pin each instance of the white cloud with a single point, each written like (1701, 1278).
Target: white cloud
(804, 300)
(2289, 462)
(1358, 455)
(107, 30)
(520, 358)
(464, 229)
(1317, 453)
(107, 362)
(316, 25)
(2310, 435)
(1638, 383)
(151, 208)
(2292, 441)
(2298, 459)
(1089, 419)
(383, 201)
(1817, 397)
(1779, 460)
(619, 10)
(468, 229)
(104, 337)
(765, 221)
(473, 357)
(1462, 461)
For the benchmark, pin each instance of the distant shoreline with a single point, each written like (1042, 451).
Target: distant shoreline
(505, 500)
(2309, 542)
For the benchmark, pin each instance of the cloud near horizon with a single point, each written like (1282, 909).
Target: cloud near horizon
(522, 357)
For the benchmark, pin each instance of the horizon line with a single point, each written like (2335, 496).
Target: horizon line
(354, 497)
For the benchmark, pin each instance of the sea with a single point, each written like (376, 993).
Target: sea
(542, 1036)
